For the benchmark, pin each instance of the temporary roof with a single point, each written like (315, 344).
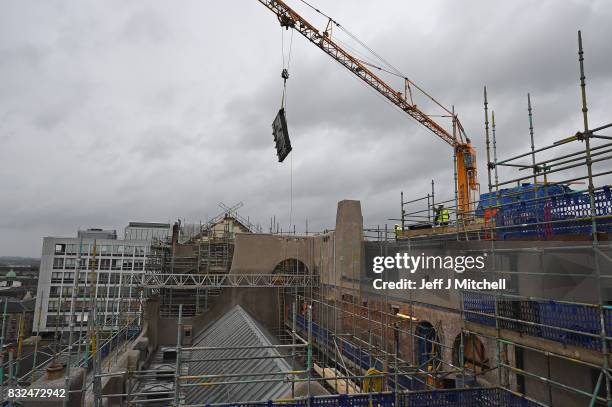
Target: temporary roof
(236, 329)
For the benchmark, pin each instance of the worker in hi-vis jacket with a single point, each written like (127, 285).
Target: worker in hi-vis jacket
(442, 216)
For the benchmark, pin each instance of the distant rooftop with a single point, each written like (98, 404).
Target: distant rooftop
(96, 233)
(149, 225)
(15, 305)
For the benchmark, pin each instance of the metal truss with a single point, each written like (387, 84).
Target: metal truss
(198, 281)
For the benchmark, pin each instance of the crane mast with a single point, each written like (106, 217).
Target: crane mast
(465, 153)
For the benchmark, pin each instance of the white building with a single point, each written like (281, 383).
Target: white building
(119, 264)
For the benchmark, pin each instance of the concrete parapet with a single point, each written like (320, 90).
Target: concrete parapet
(348, 244)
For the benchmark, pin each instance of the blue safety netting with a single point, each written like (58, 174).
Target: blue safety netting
(487, 397)
(556, 211)
(522, 193)
(570, 324)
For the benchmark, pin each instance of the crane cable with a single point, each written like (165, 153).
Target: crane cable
(285, 76)
(285, 70)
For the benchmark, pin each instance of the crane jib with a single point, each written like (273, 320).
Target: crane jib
(290, 19)
(464, 152)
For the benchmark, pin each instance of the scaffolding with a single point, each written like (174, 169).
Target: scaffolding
(197, 250)
(370, 348)
(543, 219)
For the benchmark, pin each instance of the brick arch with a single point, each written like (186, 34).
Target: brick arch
(291, 266)
(474, 352)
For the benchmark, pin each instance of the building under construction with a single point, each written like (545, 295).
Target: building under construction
(296, 320)
(233, 316)
(205, 249)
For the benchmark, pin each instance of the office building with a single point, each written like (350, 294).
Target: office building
(94, 264)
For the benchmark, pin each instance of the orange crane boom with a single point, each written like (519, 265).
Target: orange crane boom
(465, 153)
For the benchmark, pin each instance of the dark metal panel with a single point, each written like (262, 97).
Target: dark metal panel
(281, 136)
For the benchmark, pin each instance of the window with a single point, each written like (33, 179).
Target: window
(52, 320)
(128, 251)
(66, 304)
(70, 263)
(82, 317)
(118, 250)
(71, 249)
(85, 249)
(105, 264)
(83, 292)
(116, 264)
(138, 265)
(83, 264)
(56, 277)
(347, 298)
(58, 263)
(115, 277)
(139, 251)
(105, 250)
(60, 248)
(52, 305)
(103, 278)
(127, 264)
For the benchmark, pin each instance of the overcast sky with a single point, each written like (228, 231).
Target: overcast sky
(114, 111)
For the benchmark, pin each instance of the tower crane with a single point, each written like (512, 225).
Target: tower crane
(464, 153)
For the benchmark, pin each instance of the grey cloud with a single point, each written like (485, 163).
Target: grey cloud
(27, 56)
(145, 26)
(115, 111)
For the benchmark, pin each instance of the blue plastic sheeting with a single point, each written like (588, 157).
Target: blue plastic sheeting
(480, 308)
(466, 398)
(117, 339)
(492, 397)
(479, 304)
(554, 215)
(426, 336)
(517, 194)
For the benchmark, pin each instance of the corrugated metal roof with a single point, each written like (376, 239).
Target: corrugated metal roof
(236, 328)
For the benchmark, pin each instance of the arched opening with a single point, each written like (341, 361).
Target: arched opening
(427, 346)
(472, 353)
(290, 266)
